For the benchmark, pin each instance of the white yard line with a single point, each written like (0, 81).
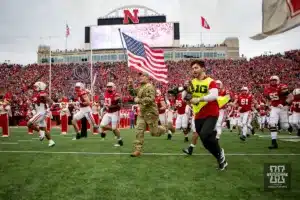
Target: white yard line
(9, 143)
(148, 154)
(24, 140)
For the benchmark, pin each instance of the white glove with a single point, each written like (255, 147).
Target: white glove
(195, 100)
(280, 106)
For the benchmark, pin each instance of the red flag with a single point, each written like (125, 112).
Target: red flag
(204, 23)
(279, 16)
(67, 30)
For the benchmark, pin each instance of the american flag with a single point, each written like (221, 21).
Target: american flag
(145, 59)
(67, 30)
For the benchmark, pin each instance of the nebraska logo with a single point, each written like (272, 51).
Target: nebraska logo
(294, 6)
(133, 17)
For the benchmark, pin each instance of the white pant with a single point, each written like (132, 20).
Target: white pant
(193, 127)
(267, 120)
(221, 119)
(39, 119)
(244, 122)
(262, 121)
(162, 118)
(295, 120)
(87, 113)
(169, 116)
(112, 118)
(233, 121)
(181, 121)
(244, 118)
(278, 115)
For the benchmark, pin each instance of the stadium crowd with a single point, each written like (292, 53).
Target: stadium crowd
(254, 74)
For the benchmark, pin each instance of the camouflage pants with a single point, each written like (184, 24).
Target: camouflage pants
(155, 130)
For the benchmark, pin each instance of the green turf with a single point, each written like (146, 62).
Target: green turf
(63, 176)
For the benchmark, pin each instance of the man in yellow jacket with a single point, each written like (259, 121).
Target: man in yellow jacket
(203, 95)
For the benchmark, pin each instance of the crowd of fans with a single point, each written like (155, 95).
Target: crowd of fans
(234, 74)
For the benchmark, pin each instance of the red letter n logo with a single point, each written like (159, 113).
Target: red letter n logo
(128, 15)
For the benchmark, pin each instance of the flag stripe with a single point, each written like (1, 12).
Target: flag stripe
(139, 68)
(145, 59)
(148, 66)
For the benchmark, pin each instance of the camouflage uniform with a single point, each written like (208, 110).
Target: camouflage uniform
(148, 114)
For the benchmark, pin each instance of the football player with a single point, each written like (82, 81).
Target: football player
(41, 103)
(295, 102)
(85, 109)
(112, 101)
(244, 102)
(276, 94)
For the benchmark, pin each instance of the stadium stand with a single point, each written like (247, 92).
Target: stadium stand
(234, 73)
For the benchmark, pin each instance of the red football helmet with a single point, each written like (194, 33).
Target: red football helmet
(219, 84)
(296, 93)
(244, 90)
(274, 80)
(79, 87)
(110, 87)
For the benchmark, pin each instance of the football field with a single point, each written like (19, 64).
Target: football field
(91, 169)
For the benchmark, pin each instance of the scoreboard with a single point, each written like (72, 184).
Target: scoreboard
(154, 34)
(153, 30)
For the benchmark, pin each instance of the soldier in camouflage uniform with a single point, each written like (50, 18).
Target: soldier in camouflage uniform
(148, 115)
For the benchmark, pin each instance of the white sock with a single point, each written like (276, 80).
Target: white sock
(192, 145)
(250, 127)
(274, 135)
(119, 138)
(42, 133)
(245, 129)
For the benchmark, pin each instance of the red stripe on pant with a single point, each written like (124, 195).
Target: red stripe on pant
(48, 123)
(30, 131)
(4, 124)
(64, 124)
(97, 121)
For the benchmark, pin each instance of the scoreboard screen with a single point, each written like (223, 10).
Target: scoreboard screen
(154, 34)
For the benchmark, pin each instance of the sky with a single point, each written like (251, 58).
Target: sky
(26, 24)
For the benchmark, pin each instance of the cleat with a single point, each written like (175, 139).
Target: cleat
(186, 139)
(188, 151)
(242, 137)
(223, 165)
(42, 138)
(120, 142)
(274, 144)
(77, 137)
(51, 143)
(298, 133)
(169, 136)
(135, 154)
(253, 131)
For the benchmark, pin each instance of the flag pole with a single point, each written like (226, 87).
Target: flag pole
(124, 49)
(50, 70)
(91, 66)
